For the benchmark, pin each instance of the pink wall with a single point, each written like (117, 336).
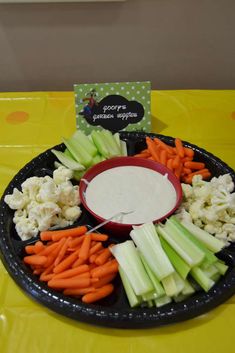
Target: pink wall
(174, 43)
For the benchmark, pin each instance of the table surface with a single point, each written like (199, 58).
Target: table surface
(35, 121)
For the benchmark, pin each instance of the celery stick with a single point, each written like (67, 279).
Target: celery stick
(78, 152)
(129, 260)
(118, 141)
(193, 250)
(179, 298)
(185, 249)
(212, 243)
(85, 142)
(210, 271)
(132, 298)
(150, 303)
(67, 161)
(111, 144)
(149, 296)
(148, 243)
(78, 175)
(209, 255)
(188, 288)
(100, 143)
(123, 148)
(170, 285)
(57, 164)
(67, 153)
(216, 277)
(179, 264)
(201, 278)
(180, 282)
(157, 285)
(96, 159)
(162, 301)
(221, 267)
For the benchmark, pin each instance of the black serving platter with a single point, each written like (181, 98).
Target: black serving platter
(113, 311)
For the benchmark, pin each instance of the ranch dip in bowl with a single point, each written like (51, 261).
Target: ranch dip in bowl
(145, 191)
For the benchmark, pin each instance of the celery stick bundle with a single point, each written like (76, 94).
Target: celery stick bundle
(167, 262)
(84, 151)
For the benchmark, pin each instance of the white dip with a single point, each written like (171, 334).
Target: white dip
(130, 188)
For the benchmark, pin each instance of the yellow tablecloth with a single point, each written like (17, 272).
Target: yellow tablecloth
(33, 122)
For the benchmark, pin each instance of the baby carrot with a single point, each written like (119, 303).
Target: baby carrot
(98, 294)
(52, 256)
(81, 282)
(178, 170)
(46, 277)
(62, 251)
(169, 163)
(78, 262)
(103, 257)
(104, 280)
(142, 155)
(78, 291)
(103, 270)
(39, 246)
(163, 157)
(179, 147)
(189, 152)
(204, 173)
(176, 162)
(186, 170)
(71, 232)
(98, 237)
(98, 246)
(72, 272)
(30, 249)
(152, 149)
(84, 251)
(66, 263)
(46, 235)
(35, 260)
(49, 249)
(75, 242)
(38, 271)
(194, 165)
(163, 145)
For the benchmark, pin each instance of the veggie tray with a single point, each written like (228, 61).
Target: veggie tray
(114, 310)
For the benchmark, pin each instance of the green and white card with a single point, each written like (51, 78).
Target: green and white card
(113, 106)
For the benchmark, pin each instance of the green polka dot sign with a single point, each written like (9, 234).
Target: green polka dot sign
(113, 106)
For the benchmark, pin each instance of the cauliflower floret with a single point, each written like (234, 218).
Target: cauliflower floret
(228, 227)
(48, 192)
(183, 215)
(187, 190)
(71, 213)
(43, 214)
(223, 182)
(209, 214)
(19, 215)
(26, 228)
(16, 200)
(213, 228)
(62, 174)
(68, 194)
(31, 187)
(196, 209)
(203, 192)
(198, 181)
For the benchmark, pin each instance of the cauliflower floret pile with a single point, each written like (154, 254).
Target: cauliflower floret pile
(44, 202)
(211, 206)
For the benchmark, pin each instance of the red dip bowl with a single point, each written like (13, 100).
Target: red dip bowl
(123, 229)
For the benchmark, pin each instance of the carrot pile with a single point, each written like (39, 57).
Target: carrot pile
(179, 159)
(74, 262)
